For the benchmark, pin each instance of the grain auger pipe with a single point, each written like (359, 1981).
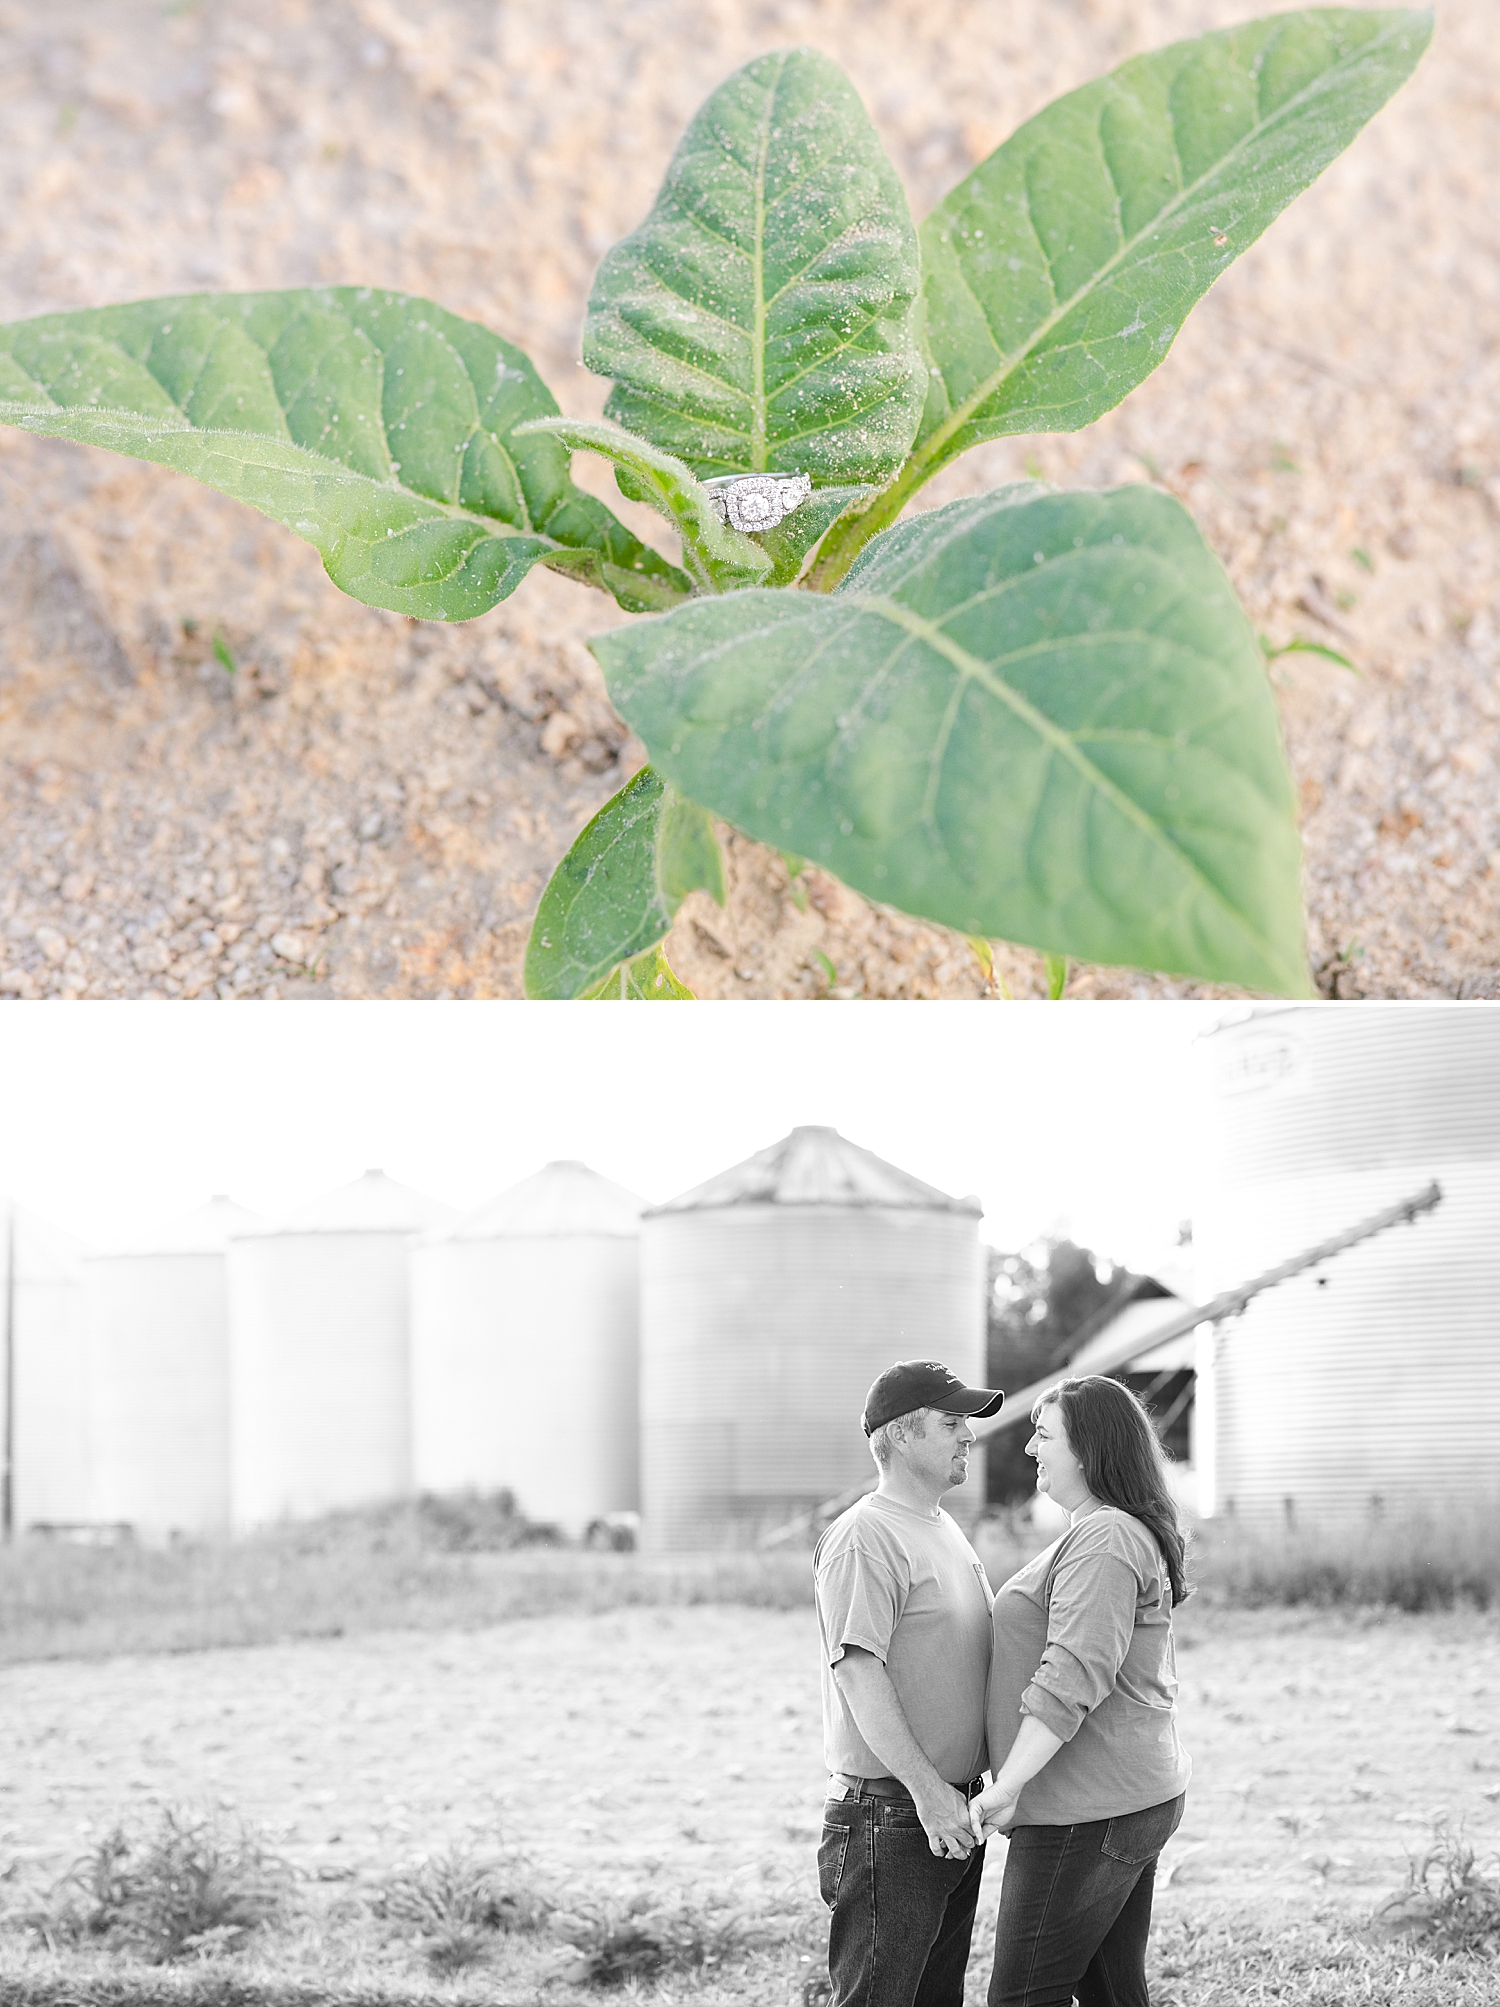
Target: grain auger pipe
(1110, 1358)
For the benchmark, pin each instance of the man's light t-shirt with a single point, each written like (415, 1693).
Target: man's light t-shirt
(911, 1590)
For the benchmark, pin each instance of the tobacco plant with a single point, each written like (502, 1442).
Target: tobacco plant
(1032, 715)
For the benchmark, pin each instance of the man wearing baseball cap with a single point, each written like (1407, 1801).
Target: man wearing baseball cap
(904, 1619)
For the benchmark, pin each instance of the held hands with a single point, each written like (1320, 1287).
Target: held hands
(945, 1820)
(993, 1810)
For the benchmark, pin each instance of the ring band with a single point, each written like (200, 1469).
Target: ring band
(755, 502)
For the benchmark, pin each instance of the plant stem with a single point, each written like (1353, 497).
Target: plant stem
(848, 538)
(1057, 975)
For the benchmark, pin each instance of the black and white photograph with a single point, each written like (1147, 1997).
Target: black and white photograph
(512, 1526)
(985, 509)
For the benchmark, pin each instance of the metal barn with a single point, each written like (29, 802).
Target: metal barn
(158, 1374)
(770, 1298)
(319, 1353)
(1372, 1383)
(43, 1372)
(525, 1348)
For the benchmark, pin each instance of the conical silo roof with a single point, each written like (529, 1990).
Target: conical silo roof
(561, 1199)
(371, 1204)
(206, 1229)
(816, 1167)
(43, 1251)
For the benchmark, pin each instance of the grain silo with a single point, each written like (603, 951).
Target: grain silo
(771, 1297)
(319, 1356)
(1372, 1383)
(525, 1348)
(158, 1374)
(43, 1372)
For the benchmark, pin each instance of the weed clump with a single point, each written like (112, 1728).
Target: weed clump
(647, 1939)
(468, 1521)
(453, 1904)
(1451, 1900)
(195, 1886)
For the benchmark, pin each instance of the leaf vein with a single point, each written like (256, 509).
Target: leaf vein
(1063, 747)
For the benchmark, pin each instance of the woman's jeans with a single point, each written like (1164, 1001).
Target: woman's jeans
(1075, 1911)
(902, 1917)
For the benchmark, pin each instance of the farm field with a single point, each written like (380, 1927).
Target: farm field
(679, 1749)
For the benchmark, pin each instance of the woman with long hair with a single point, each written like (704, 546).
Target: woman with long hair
(1082, 1715)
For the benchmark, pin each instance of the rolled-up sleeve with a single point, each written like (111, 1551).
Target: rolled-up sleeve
(860, 1601)
(1090, 1620)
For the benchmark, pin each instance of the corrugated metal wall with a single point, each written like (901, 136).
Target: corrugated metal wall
(762, 1327)
(1373, 1383)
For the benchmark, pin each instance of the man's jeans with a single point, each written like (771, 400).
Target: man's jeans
(902, 1917)
(1075, 1911)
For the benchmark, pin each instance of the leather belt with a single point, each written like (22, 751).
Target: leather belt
(890, 1787)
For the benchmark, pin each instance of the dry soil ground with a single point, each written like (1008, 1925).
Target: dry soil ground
(370, 808)
(684, 1746)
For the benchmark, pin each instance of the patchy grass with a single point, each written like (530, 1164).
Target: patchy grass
(1237, 1960)
(202, 1988)
(1219, 1959)
(462, 1562)
(1413, 1560)
(703, 1942)
(425, 1564)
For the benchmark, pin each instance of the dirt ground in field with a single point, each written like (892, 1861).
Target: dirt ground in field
(684, 1745)
(371, 808)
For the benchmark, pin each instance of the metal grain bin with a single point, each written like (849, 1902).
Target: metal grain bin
(43, 1371)
(319, 1355)
(770, 1298)
(1373, 1382)
(158, 1374)
(525, 1348)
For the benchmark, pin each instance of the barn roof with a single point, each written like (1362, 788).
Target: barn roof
(1138, 1318)
(562, 1199)
(817, 1167)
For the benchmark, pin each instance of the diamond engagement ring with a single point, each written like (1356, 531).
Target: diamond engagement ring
(756, 501)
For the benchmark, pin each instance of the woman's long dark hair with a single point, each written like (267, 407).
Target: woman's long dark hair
(1122, 1461)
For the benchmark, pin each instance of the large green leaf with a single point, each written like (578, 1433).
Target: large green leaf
(618, 889)
(1058, 272)
(760, 319)
(1030, 716)
(718, 557)
(375, 425)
